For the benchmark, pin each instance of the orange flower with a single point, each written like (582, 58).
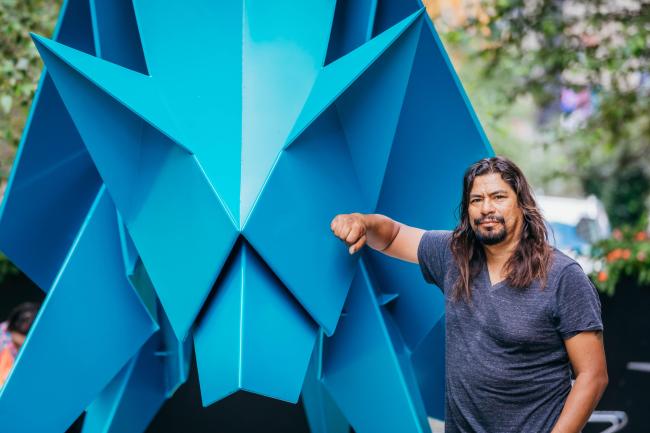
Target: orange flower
(602, 276)
(641, 256)
(641, 236)
(617, 234)
(614, 255)
(625, 254)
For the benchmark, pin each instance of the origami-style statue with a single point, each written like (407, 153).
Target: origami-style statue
(173, 192)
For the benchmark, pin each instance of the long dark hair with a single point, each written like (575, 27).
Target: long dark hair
(21, 317)
(532, 257)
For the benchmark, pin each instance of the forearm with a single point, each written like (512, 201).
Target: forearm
(582, 400)
(380, 231)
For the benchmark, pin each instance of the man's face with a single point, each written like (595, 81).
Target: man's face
(494, 213)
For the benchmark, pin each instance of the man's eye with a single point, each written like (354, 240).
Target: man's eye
(500, 197)
(475, 200)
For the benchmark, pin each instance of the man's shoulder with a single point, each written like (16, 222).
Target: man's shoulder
(436, 239)
(439, 235)
(562, 264)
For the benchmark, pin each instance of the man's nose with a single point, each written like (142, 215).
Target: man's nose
(487, 207)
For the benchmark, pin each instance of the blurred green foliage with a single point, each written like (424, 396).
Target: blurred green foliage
(626, 253)
(20, 67)
(528, 50)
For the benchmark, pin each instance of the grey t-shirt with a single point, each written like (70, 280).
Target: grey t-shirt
(506, 364)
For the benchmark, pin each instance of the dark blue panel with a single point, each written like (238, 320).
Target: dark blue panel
(52, 186)
(352, 27)
(117, 35)
(428, 361)
(390, 12)
(75, 26)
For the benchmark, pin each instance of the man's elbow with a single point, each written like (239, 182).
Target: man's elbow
(603, 382)
(600, 382)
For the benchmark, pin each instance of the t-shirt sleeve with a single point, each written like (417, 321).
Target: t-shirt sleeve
(578, 306)
(432, 255)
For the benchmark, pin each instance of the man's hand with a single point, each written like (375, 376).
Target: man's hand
(380, 233)
(351, 229)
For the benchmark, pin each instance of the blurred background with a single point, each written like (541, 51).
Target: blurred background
(561, 87)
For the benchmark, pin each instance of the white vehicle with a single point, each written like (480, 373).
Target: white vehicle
(575, 224)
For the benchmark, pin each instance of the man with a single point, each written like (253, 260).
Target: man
(519, 313)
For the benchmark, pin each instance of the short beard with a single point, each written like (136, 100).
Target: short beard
(492, 237)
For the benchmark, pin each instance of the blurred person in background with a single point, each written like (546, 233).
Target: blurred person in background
(12, 335)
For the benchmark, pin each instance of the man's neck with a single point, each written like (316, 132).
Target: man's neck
(497, 255)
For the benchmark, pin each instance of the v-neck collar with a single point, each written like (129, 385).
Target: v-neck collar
(488, 282)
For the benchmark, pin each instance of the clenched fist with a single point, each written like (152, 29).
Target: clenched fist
(352, 229)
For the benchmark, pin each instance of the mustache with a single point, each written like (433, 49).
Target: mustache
(496, 218)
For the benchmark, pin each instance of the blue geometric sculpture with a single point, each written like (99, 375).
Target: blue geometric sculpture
(173, 190)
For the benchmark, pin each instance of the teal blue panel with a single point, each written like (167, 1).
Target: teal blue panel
(274, 94)
(338, 76)
(437, 137)
(253, 336)
(177, 354)
(323, 416)
(172, 213)
(217, 337)
(378, 94)
(89, 326)
(194, 55)
(137, 92)
(428, 362)
(141, 283)
(129, 252)
(312, 181)
(366, 365)
(134, 396)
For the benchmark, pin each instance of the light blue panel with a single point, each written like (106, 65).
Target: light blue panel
(338, 76)
(313, 180)
(323, 416)
(428, 362)
(273, 94)
(253, 336)
(352, 27)
(134, 396)
(194, 54)
(89, 326)
(277, 335)
(378, 94)
(174, 216)
(366, 368)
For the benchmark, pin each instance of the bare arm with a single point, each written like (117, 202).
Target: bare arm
(587, 356)
(380, 233)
